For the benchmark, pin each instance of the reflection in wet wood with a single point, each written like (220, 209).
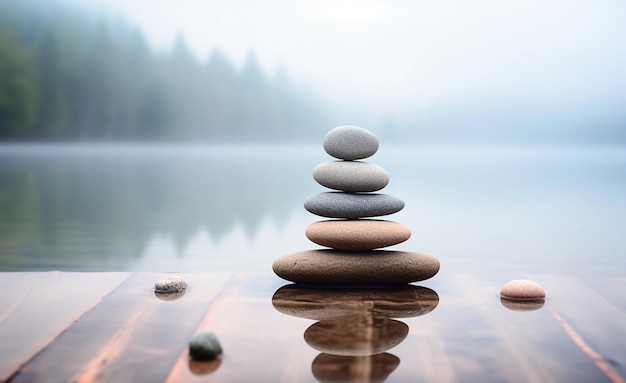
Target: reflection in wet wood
(335, 368)
(506, 345)
(260, 344)
(356, 336)
(110, 327)
(355, 328)
(319, 303)
(524, 305)
(425, 354)
(203, 367)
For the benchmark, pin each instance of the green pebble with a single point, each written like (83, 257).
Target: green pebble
(204, 346)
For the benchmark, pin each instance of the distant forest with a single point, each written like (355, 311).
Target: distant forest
(69, 74)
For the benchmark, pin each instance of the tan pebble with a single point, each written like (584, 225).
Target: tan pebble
(359, 234)
(522, 289)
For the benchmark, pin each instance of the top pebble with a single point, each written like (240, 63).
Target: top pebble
(350, 143)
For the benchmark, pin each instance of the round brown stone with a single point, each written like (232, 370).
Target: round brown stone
(404, 301)
(356, 335)
(522, 289)
(341, 268)
(359, 234)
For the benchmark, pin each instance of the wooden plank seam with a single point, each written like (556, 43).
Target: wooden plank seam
(182, 360)
(53, 339)
(605, 366)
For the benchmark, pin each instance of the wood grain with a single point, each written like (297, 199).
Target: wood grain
(110, 327)
(36, 307)
(129, 336)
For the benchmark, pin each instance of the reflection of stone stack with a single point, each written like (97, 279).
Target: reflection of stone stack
(350, 235)
(354, 329)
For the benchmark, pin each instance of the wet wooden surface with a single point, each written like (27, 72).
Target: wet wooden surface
(110, 327)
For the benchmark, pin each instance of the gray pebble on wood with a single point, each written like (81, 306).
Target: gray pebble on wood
(170, 284)
(204, 346)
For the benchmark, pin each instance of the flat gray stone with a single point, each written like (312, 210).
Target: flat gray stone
(350, 143)
(350, 268)
(352, 205)
(351, 176)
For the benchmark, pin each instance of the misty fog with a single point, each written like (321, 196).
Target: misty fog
(413, 72)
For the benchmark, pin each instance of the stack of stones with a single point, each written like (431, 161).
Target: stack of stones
(351, 235)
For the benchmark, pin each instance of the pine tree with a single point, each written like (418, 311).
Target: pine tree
(18, 89)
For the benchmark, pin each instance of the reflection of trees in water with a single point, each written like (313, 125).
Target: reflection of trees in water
(98, 211)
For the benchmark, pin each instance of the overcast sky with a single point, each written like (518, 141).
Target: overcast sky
(406, 53)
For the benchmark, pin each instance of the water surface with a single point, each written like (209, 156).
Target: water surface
(230, 208)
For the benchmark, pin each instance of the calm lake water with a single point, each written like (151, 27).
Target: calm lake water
(221, 208)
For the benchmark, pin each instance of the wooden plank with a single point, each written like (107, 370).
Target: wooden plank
(35, 307)
(260, 344)
(130, 336)
(594, 322)
(423, 354)
(610, 289)
(263, 345)
(469, 336)
(484, 341)
(361, 317)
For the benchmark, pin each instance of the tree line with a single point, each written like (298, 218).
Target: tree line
(67, 74)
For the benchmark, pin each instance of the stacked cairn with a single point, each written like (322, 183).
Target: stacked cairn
(353, 238)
